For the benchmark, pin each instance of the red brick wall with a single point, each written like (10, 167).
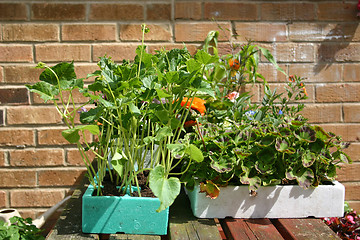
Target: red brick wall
(316, 39)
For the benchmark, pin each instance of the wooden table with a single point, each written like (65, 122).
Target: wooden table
(184, 226)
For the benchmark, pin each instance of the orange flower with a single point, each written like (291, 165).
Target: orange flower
(305, 92)
(189, 123)
(99, 123)
(234, 64)
(197, 104)
(291, 78)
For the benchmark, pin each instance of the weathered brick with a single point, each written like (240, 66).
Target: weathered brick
(58, 11)
(2, 158)
(66, 177)
(349, 173)
(35, 198)
(117, 52)
(116, 12)
(294, 52)
(158, 11)
(288, 11)
(3, 199)
(197, 31)
(339, 52)
(192, 48)
(323, 32)
(17, 137)
(158, 32)
(17, 178)
(348, 92)
(20, 74)
(39, 157)
(338, 11)
(54, 137)
(349, 133)
(352, 72)
(14, 96)
(353, 151)
(33, 115)
(82, 70)
(13, 11)
(317, 73)
(30, 32)
(1, 73)
(351, 113)
(230, 11)
(188, 10)
(271, 74)
(275, 32)
(320, 113)
(16, 53)
(352, 191)
(355, 205)
(89, 32)
(74, 157)
(61, 52)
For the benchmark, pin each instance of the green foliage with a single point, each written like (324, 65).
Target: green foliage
(19, 229)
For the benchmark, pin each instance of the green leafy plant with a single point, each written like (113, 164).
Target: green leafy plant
(20, 229)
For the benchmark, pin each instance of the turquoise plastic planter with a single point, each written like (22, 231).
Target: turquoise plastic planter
(114, 214)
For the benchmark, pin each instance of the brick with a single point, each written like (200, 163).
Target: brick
(158, 11)
(117, 52)
(14, 96)
(21, 74)
(352, 72)
(318, 73)
(288, 11)
(16, 53)
(3, 199)
(54, 137)
(188, 10)
(2, 158)
(1, 73)
(1, 117)
(230, 11)
(13, 11)
(33, 115)
(349, 133)
(60, 52)
(74, 158)
(133, 32)
(294, 52)
(275, 32)
(339, 52)
(17, 178)
(66, 177)
(351, 113)
(82, 70)
(189, 32)
(57, 11)
(30, 32)
(355, 205)
(348, 92)
(35, 198)
(349, 173)
(116, 12)
(354, 151)
(320, 113)
(310, 32)
(271, 74)
(89, 32)
(38, 157)
(337, 11)
(192, 48)
(17, 137)
(352, 191)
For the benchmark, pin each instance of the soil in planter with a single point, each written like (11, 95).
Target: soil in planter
(110, 188)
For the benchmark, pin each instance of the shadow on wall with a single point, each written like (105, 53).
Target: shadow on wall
(335, 41)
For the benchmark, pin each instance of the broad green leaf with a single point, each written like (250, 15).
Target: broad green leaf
(166, 189)
(163, 116)
(118, 162)
(134, 109)
(91, 115)
(72, 134)
(44, 89)
(308, 158)
(162, 133)
(221, 164)
(253, 182)
(193, 65)
(205, 58)
(176, 149)
(194, 153)
(162, 94)
(65, 73)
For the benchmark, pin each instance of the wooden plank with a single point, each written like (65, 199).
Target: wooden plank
(263, 229)
(184, 226)
(306, 228)
(237, 229)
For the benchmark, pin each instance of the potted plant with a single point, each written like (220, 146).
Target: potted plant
(136, 112)
(261, 159)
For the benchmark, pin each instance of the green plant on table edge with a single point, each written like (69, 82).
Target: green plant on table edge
(19, 229)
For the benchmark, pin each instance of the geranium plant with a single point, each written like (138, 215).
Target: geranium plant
(136, 111)
(259, 144)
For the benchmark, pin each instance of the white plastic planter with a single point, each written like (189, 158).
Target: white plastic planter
(282, 201)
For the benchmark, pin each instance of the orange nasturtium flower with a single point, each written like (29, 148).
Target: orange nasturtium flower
(234, 64)
(198, 104)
